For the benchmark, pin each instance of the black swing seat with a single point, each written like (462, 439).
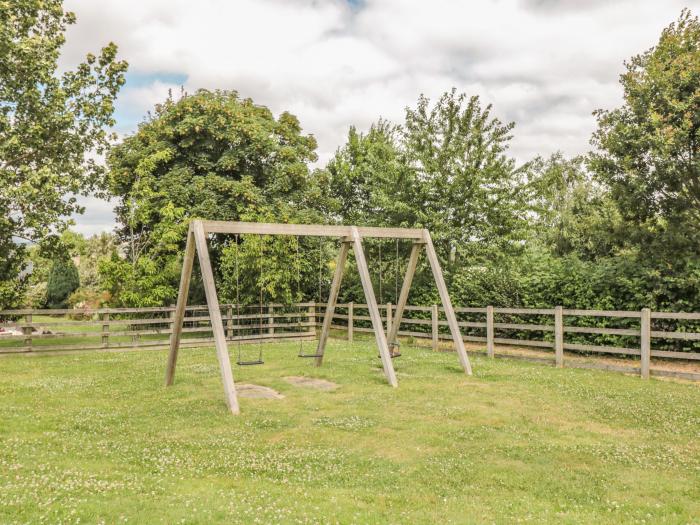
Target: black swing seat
(310, 355)
(250, 363)
(393, 354)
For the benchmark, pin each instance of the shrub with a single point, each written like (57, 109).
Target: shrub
(63, 281)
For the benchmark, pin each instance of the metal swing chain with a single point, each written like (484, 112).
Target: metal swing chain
(381, 294)
(396, 275)
(298, 295)
(238, 302)
(320, 275)
(260, 322)
(320, 265)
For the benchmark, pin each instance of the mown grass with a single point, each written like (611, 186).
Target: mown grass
(96, 438)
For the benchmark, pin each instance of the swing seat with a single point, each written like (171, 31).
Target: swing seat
(250, 363)
(309, 355)
(392, 353)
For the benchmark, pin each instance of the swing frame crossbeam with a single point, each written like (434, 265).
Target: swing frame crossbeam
(350, 237)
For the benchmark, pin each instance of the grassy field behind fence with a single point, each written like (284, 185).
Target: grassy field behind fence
(96, 438)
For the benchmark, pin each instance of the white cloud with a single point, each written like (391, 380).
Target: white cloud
(98, 217)
(545, 64)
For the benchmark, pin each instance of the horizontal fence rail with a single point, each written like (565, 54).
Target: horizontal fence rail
(558, 330)
(641, 335)
(45, 331)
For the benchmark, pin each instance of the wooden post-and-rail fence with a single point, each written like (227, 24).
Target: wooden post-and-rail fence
(560, 330)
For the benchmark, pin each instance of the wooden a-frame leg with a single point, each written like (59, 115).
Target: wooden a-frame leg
(446, 303)
(332, 300)
(403, 296)
(179, 315)
(217, 324)
(373, 309)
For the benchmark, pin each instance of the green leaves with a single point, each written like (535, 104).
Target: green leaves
(51, 126)
(648, 150)
(63, 281)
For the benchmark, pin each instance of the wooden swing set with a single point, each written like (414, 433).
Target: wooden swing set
(350, 236)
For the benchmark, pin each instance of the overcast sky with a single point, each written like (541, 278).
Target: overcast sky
(545, 64)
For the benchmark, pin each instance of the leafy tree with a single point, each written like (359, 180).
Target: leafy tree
(213, 155)
(470, 191)
(571, 211)
(446, 169)
(209, 155)
(370, 180)
(152, 278)
(63, 281)
(51, 126)
(648, 149)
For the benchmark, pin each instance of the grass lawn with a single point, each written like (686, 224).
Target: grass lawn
(96, 438)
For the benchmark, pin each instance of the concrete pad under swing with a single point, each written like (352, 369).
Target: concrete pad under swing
(257, 392)
(311, 382)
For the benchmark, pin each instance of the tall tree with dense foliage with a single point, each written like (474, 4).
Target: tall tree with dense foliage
(210, 155)
(370, 180)
(471, 189)
(571, 212)
(648, 150)
(445, 168)
(63, 281)
(51, 127)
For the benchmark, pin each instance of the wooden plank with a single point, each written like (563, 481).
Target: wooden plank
(559, 337)
(688, 376)
(525, 311)
(215, 316)
(602, 313)
(332, 299)
(691, 356)
(403, 295)
(183, 293)
(313, 230)
(602, 349)
(373, 310)
(435, 327)
(603, 331)
(676, 315)
(447, 303)
(489, 331)
(105, 330)
(160, 344)
(645, 342)
(28, 331)
(522, 326)
(684, 336)
(523, 342)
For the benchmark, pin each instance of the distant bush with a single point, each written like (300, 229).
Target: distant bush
(63, 281)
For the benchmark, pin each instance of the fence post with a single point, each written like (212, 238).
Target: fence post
(28, 332)
(435, 327)
(645, 342)
(388, 319)
(134, 336)
(351, 322)
(312, 319)
(489, 331)
(229, 321)
(271, 320)
(105, 330)
(559, 336)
